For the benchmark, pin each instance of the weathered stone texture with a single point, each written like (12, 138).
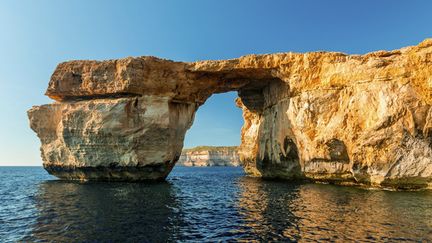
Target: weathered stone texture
(134, 132)
(324, 116)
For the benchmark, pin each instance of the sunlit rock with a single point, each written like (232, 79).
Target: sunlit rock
(324, 116)
(210, 156)
(132, 139)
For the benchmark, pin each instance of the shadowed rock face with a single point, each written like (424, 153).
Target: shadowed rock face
(324, 116)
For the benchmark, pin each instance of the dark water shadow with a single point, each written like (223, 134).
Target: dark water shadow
(217, 204)
(281, 211)
(105, 212)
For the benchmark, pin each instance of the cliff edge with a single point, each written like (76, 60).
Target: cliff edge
(210, 156)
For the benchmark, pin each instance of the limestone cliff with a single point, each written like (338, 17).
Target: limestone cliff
(325, 116)
(210, 156)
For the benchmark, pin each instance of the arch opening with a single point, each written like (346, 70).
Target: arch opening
(213, 138)
(260, 152)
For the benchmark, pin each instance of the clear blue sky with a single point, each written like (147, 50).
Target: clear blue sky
(36, 35)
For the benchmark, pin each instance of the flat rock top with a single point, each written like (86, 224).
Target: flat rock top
(196, 81)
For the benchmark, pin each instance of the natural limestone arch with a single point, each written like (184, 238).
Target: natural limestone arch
(325, 116)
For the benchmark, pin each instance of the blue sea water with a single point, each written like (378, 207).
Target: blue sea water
(204, 204)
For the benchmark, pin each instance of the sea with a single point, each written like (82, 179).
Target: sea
(205, 204)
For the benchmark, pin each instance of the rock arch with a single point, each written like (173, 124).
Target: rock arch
(327, 116)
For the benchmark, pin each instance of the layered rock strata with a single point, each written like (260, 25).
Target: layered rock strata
(210, 156)
(324, 116)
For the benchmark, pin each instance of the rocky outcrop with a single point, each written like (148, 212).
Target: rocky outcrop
(323, 116)
(128, 138)
(210, 156)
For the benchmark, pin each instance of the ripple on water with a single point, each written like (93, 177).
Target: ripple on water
(205, 204)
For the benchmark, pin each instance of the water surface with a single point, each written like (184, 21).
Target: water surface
(204, 204)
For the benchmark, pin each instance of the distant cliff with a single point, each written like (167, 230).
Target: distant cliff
(210, 156)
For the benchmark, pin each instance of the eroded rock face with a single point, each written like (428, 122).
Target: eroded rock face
(113, 139)
(324, 116)
(210, 156)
